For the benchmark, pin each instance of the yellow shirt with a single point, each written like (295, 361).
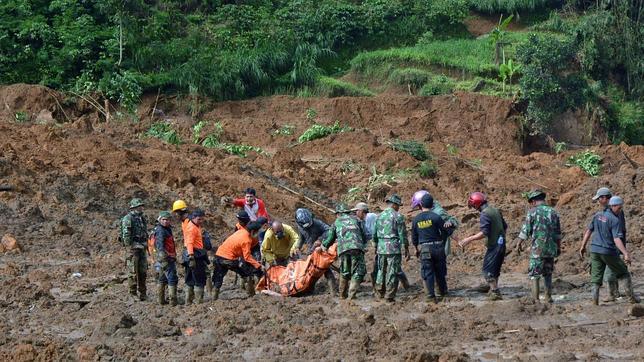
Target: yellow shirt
(274, 248)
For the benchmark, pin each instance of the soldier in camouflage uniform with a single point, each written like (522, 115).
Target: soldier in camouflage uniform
(347, 231)
(390, 236)
(134, 235)
(542, 227)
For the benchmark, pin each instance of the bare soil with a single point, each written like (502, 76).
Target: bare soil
(64, 294)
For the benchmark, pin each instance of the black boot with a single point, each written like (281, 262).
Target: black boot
(595, 294)
(628, 285)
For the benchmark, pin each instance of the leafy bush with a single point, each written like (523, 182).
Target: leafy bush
(507, 6)
(438, 85)
(21, 117)
(164, 132)
(330, 87)
(285, 130)
(560, 147)
(413, 148)
(239, 149)
(410, 76)
(628, 122)
(427, 169)
(320, 131)
(588, 161)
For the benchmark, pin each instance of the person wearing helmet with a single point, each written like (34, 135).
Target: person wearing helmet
(134, 235)
(542, 227)
(602, 196)
(195, 257)
(606, 247)
(390, 239)
(254, 206)
(312, 231)
(348, 233)
(166, 256)
(493, 228)
(180, 209)
(429, 234)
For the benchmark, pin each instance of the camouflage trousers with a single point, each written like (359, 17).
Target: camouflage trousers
(541, 267)
(389, 267)
(137, 268)
(352, 265)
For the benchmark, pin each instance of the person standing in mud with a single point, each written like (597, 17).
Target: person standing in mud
(428, 231)
(280, 243)
(602, 196)
(235, 254)
(348, 233)
(134, 235)
(390, 238)
(312, 231)
(450, 222)
(166, 256)
(197, 257)
(543, 228)
(493, 228)
(605, 248)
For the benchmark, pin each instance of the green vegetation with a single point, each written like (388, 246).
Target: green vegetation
(21, 117)
(438, 85)
(330, 87)
(560, 147)
(317, 131)
(311, 114)
(427, 169)
(164, 132)
(414, 148)
(213, 140)
(507, 6)
(588, 161)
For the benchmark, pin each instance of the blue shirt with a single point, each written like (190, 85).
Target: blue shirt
(605, 227)
(370, 224)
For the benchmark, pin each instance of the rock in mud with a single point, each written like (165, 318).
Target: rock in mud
(9, 243)
(636, 311)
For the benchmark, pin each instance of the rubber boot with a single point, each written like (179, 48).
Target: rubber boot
(534, 287)
(344, 285)
(353, 289)
(161, 294)
(215, 293)
(209, 286)
(628, 285)
(250, 286)
(494, 295)
(613, 292)
(403, 280)
(595, 294)
(172, 295)
(143, 294)
(333, 286)
(390, 295)
(190, 295)
(199, 295)
(547, 282)
(132, 286)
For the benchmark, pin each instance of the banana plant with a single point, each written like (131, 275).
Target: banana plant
(507, 70)
(497, 37)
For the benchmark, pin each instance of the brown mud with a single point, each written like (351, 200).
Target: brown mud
(64, 296)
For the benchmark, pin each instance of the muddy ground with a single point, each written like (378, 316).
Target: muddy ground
(72, 174)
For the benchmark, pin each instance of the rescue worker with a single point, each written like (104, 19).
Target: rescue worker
(253, 206)
(195, 258)
(242, 220)
(542, 227)
(450, 222)
(235, 254)
(602, 196)
(429, 233)
(390, 238)
(493, 228)
(605, 248)
(134, 235)
(368, 220)
(312, 231)
(348, 233)
(280, 243)
(166, 256)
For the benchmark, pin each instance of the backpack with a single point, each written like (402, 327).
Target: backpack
(151, 246)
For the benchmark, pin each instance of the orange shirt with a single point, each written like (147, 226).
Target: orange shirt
(192, 237)
(238, 245)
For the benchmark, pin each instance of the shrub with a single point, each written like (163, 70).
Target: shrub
(320, 131)
(438, 85)
(330, 87)
(588, 161)
(285, 130)
(628, 122)
(428, 169)
(410, 76)
(413, 148)
(164, 132)
(507, 6)
(21, 117)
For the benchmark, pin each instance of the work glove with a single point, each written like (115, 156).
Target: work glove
(192, 263)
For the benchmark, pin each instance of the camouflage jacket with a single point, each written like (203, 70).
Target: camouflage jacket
(543, 229)
(390, 234)
(438, 209)
(134, 230)
(347, 231)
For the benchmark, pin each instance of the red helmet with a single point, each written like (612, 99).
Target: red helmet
(476, 199)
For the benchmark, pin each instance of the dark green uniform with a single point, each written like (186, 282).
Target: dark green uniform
(134, 236)
(390, 236)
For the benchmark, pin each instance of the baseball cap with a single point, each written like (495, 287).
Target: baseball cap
(615, 200)
(602, 191)
(361, 206)
(243, 216)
